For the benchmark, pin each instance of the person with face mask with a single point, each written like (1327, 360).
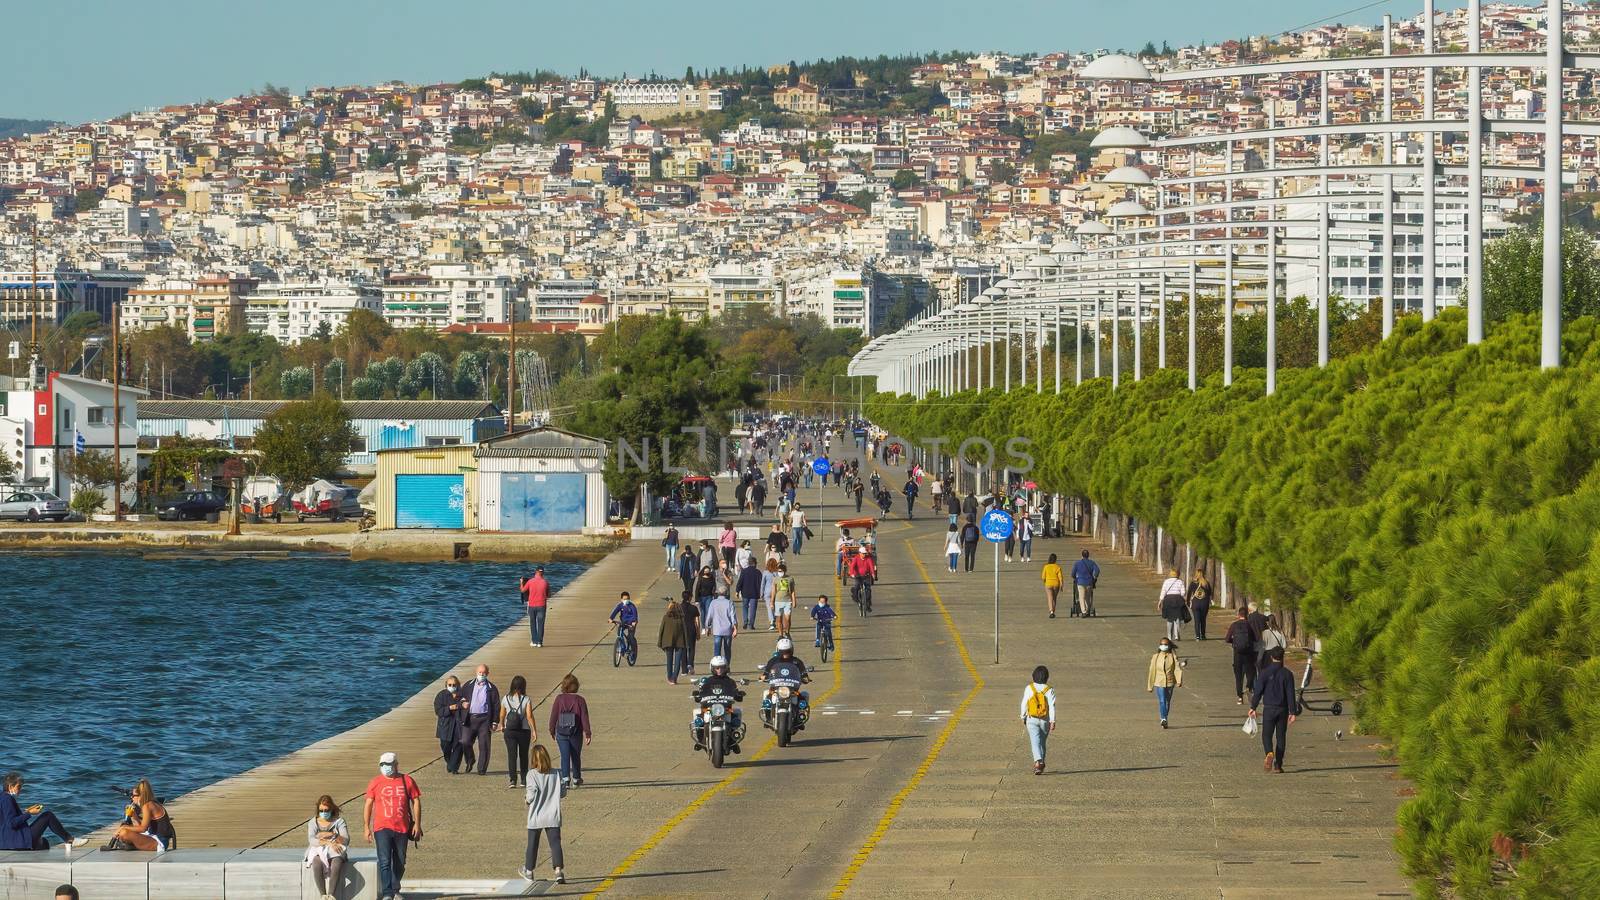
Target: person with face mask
(327, 839)
(450, 708)
(483, 706)
(1166, 676)
(393, 816)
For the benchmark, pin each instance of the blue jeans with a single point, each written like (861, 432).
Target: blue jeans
(722, 645)
(672, 555)
(750, 604)
(674, 662)
(571, 756)
(796, 535)
(391, 859)
(1038, 734)
(536, 623)
(1027, 547)
(954, 558)
(1164, 700)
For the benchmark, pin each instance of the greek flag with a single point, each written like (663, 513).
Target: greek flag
(78, 443)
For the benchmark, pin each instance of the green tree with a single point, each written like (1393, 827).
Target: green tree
(8, 468)
(295, 383)
(905, 179)
(305, 440)
(1513, 274)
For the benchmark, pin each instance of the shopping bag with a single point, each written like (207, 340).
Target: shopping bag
(1250, 726)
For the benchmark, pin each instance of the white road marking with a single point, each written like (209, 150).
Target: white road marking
(868, 712)
(830, 712)
(904, 712)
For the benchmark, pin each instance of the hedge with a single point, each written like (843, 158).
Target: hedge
(1431, 510)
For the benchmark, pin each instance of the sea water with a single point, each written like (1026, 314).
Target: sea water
(117, 667)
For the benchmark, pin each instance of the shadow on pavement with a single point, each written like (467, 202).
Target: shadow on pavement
(799, 761)
(1350, 768)
(866, 739)
(1106, 771)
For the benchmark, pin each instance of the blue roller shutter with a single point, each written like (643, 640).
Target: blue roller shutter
(429, 501)
(535, 502)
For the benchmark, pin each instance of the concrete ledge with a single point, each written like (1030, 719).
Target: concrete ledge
(210, 874)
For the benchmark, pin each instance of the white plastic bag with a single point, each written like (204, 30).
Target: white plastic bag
(1250, 726)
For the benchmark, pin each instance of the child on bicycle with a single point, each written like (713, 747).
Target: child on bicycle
(824, 616)
(626, 615)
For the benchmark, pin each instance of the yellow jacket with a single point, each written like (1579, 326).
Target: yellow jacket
(1052, 575)
(1164, 672)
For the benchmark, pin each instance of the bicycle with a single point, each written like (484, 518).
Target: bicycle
(861, 590)
(826, 645)
(626, 647)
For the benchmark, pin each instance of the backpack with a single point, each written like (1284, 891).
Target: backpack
(517, 716)
(1038, 704)
(1240, 638)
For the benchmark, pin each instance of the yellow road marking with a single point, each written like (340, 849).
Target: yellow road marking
(895, 803)
(682, 815)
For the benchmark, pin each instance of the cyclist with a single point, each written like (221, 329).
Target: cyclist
(626, 616)
(864, 571)
(824, 616)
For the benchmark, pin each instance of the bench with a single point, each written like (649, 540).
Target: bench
(207, 874)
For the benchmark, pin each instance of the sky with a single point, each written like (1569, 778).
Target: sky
(81, 60)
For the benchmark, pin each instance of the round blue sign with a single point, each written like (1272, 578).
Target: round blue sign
(820, 465)
(996, 525)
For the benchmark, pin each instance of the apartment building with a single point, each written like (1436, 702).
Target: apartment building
(296, 310)
(447, 294)
(556, 300)
(659, 99)
(52, 296)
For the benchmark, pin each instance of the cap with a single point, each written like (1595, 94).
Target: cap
(386, 758)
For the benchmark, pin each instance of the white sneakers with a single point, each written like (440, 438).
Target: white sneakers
(79, 842)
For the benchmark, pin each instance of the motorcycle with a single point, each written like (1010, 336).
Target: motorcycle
(783, 709)
(714, 725)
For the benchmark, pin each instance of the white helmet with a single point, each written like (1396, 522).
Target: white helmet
(783, 644)
(719, 662)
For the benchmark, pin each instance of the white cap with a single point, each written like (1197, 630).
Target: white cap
(386, 758)
(719, 662)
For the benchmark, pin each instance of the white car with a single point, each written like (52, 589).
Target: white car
(33, 506)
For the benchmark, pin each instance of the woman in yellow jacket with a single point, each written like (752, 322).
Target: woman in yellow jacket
(1166, 676)
(1053, 580)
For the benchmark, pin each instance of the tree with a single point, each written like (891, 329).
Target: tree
(89, 468)
(1513, 275)
(305, 440)
(365, 388)
(8, 468)
(295, 383)
(905, 179)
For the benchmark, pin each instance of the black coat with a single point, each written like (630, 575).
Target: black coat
(451, 722)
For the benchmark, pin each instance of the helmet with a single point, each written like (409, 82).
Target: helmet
(719, 662)
(783, 644)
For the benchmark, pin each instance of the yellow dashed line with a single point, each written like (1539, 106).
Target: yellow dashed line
(865, 851)
(683, 814)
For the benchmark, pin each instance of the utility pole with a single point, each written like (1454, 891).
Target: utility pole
(511, 375)
(116, 414)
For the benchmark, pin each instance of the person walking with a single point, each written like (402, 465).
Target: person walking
(1240, 639)
(537, 592)
(450, 709)
(516, 726)
(694, 610)
(798, 531)
(858, 491)
(952, 502)
(758, 495)
(1039, 714)
(483, 709)
(969, 544)
(569, 721)
(1010, 544)
(1165, 677)
(1258, 628)
(769, 575)
(672, 640)
(23, 828)
(952, 547)
(969, 506)
(670, 542)
(543, 799)
(393, 816)
(1085, 575)
(777, 542)
(749, 588)
(1272, 637)
(728, 541)
(1024, 531)
(1200, 602)
(721, 625)
(784, 596)
(1274, 694)
(327, 843)
(1053, 579)
(688, 567)
(910, 490)
(1171, 604)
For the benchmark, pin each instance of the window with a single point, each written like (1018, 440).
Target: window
(443, 441)
(65, 418)
(358, 444)
(97, 415)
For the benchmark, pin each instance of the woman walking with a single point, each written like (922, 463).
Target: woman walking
(516, 726)
(1165, 677)
(1172, 605)
(1271, 637)
(952, 547)
(1025, 535)
(1200, 602)
(688, 567)
(1039, 714)
(672, 639)
(1053, 578)
(543, 797)
(327, 839)
(569, 719)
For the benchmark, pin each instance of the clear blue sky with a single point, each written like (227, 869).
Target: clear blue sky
(76, 60)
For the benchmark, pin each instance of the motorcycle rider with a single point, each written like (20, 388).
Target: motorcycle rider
(718, 685)
(785, 666)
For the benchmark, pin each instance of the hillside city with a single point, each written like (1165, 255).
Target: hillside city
(858, 191)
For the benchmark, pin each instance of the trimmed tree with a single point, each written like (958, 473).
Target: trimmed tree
(305, 440)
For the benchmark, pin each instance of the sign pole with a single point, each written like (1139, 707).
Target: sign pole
(997, 525)
(997, 604)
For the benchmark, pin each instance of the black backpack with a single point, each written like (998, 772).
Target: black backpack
(1240, 638)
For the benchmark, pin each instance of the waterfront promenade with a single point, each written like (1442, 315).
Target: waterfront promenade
(914, 775)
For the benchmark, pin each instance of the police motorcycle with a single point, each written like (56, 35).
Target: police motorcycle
(718, 727)
(785, 708)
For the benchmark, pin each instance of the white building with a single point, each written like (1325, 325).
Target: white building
(556, 299)
(447, 295)
(294, 311)
(39, 428)
(842, 298)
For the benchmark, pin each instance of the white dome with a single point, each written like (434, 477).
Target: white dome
(1115, 66)
(1062, 247)
(1126, 175)
(1094, 226)
(1120, 136)
(1127, 208)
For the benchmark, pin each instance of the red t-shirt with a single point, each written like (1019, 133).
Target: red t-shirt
(391, 802)
(537, 589)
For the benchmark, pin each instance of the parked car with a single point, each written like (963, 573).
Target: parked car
(190, 505)
(33, 506)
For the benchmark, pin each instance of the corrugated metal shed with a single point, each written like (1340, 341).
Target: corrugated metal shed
(456, 410)
(531, 465)
(426, 461)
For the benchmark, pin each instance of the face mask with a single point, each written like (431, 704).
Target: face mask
(324, 813)
(387, 769)
(482, 678)
(1164, 648)
(452, 688)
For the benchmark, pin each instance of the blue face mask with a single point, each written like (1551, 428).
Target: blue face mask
(387, 769)
(324, 814)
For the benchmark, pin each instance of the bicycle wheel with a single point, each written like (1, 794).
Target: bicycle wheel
(616, 653)
(633, 652)
(824, 651)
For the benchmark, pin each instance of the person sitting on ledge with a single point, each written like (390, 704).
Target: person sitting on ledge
(150, 828)
(23, 829)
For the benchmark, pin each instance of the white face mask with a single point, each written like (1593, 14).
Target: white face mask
(387, 769)
(1164, 648)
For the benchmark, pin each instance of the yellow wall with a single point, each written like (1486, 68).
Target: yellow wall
(427, 461)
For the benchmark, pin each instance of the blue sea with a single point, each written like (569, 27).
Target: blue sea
(185, 671)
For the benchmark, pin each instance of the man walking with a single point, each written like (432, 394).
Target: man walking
(1085, 575)
(393, 814)
(722, 624)
(1274, 693)
(758, 495)
(910, 490)
(797, 527)
(537, 592)
(969, 544)
(450, 708)
(750, 592)
(969, 506)
(1239, 638)
(483, 706)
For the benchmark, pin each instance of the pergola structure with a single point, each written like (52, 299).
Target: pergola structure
(1117, 270)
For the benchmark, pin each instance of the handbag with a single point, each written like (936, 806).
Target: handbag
(1186, 616)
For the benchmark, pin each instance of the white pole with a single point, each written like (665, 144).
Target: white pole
(1077, 331)
(1474, 245)
(1138, 330)
(1116, 339)
(1096, 336)
(1227, 286)
(1325, 277)
(1430, 237)
(1550, 322)
(1193, 366)
(1388, 184)
(1272, 263)
(996, 602)
(1161, 321)
(1038, 355)
(1058, 348)
(1022, 347)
